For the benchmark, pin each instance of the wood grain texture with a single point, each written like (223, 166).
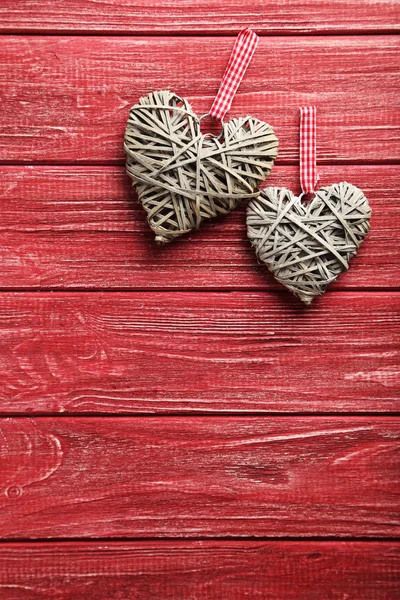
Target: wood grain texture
(205, 16)
(199, 476)
(77, 226)
(83, 228)
(66, 99)
(207, 570)
(174, 352)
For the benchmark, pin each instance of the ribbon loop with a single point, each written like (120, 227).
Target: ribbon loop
(242, 53)
(308, 149)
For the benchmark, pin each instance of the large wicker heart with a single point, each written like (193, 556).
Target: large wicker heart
(307, 245)
(182, 176)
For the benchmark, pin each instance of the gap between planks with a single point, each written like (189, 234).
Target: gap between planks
(351, 33)
(188, 541)
(57, 291)
(127, 17)
(199, 415)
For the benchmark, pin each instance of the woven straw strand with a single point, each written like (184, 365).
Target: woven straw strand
(307, 245)
(183, 177)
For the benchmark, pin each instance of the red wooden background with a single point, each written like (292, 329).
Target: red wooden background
(173, 425)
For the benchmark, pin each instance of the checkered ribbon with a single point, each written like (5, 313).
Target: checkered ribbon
(242, 53)
(308, 148)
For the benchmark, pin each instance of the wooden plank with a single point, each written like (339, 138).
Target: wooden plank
(174, 352)
(207, 570)
(69, 227)
(191, 477)
(66, 99)
(205, 16)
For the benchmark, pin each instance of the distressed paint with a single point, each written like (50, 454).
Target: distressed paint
(83, 228)
(66, 99)
(232, 476)
(180, 352)
(66, 227)
(205, 16)
(206, 570)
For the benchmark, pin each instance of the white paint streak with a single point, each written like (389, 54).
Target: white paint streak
(295, 436)
(383, 448)
(386, 378)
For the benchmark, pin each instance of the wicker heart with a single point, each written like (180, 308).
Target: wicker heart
(307, 245)
(182, 176)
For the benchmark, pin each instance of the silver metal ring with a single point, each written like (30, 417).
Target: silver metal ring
(179, 98)
(210, 134)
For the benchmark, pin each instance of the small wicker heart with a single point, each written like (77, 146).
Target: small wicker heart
(307, 245)
(182, 176)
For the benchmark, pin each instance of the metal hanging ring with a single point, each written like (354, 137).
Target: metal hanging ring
(210, 134)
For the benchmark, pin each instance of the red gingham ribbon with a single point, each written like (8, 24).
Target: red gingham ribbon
(242, 53)
(308, 148)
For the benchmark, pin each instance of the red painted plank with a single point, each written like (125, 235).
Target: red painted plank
(207, 570)
(174, 352)
(68, 227)
(191, 477)
(66, 99)
(204, 16)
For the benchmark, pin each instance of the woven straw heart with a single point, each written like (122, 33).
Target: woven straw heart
(182, 176)
(307, 245)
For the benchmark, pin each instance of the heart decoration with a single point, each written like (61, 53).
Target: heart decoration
(307, 245)
(183, 176)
